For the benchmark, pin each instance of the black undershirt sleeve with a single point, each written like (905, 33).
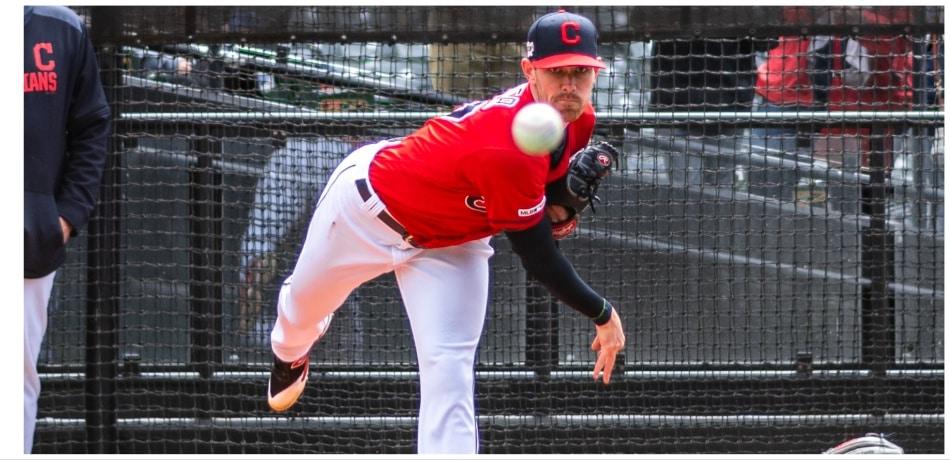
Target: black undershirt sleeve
(545, 263)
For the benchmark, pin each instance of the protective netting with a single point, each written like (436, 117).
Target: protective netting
(774, 236)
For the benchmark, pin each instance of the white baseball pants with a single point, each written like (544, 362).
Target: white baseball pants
(445, 292)
(36, 293)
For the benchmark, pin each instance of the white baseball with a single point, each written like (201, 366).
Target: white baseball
(537, 129)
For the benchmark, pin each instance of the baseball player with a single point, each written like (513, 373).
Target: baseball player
(425, 207)
(64, 150)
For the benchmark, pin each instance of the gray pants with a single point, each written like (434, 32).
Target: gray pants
(36, 294)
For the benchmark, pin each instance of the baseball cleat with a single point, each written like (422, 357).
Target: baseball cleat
(287, 381)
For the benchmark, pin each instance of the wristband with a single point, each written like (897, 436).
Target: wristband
(604, 315)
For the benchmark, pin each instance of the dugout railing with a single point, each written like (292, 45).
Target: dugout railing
(761, 321)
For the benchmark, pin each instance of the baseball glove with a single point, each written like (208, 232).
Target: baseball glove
(577, 189)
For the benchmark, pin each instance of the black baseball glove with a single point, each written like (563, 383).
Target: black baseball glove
(578, 188)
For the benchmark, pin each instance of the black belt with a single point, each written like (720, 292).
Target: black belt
(383, 215)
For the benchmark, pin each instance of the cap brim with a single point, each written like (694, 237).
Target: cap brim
(567, 60)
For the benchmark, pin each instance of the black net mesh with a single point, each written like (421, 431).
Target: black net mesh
(774, 236)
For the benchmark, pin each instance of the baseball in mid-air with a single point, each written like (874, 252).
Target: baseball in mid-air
(537, 129)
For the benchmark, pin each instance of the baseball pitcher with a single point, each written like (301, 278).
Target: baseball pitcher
(425, 207)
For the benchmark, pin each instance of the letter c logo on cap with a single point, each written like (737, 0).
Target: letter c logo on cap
(570, 33)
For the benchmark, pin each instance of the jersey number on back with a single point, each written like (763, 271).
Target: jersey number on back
(464, 111)
(507, 99)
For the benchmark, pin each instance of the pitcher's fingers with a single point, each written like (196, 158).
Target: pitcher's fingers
(598, 366)
(609, 360)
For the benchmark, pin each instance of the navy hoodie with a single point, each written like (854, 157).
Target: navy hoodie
(65, 129)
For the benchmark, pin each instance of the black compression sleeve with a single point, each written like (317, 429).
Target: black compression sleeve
(544, 262)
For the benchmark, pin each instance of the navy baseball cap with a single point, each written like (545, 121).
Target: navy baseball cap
(563, 39)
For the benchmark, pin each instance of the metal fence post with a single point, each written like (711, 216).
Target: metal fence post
(877, 262)
(541, 335)
(102, 289)
(205, 290)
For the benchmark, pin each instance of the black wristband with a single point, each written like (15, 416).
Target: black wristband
(604, 315)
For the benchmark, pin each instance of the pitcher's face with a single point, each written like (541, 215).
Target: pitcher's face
(568, 89)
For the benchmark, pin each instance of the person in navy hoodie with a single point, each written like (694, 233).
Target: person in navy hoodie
(65, 129)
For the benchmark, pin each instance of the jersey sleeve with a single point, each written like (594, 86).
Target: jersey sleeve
(87, 136)
(512, 184)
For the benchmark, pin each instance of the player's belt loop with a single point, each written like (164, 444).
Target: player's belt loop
(384, 216)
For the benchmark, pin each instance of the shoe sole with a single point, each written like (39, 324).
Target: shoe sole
(287, 398)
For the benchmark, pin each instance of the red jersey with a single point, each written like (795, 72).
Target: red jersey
(461, 178)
